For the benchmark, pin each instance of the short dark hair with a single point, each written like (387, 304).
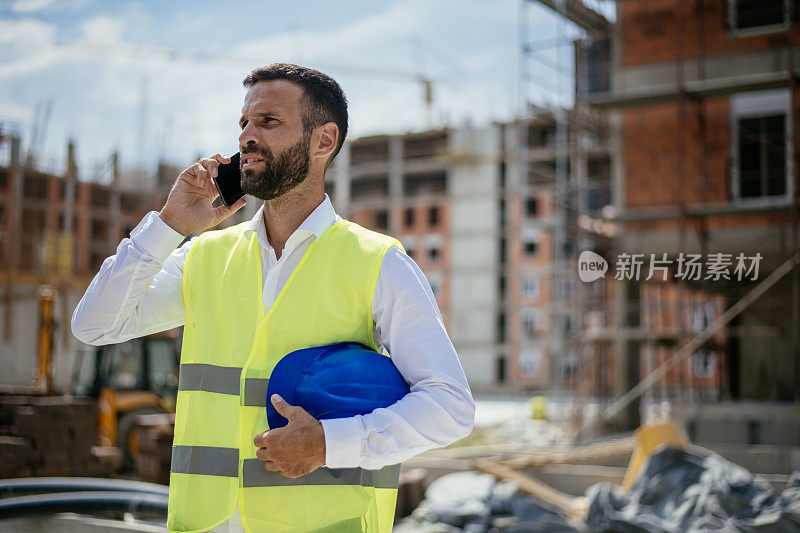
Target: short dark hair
(324, 99)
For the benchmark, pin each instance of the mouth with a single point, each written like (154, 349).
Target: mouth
(251, 161)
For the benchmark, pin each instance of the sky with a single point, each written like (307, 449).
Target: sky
(162, 79)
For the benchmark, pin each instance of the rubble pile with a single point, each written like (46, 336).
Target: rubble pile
(681, 491)
(676, 491)
(475, 502)
(534, 433)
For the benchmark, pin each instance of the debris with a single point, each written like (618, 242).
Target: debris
(675, 491)
(597, 451)
(474, 503)
(460, 498)
(573, 508)
(679, 491)
(526, 431)
(648, 439)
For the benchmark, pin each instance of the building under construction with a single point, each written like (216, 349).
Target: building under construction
(700, 100)
(446, 194)
(677, 150)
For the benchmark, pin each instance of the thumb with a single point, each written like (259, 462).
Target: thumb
(283, 408)
(222, 212)
(238, 204)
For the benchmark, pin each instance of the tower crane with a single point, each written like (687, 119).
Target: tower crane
(174, 54)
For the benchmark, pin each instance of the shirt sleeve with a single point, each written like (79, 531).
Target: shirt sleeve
(138, 291)
(438, 410)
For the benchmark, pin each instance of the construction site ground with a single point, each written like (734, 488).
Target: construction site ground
(527, 445)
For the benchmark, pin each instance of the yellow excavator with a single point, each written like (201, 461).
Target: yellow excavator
(129, 379)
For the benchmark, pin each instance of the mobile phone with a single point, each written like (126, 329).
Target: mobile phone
(229, 181)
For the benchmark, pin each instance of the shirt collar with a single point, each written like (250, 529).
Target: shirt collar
(317, 223)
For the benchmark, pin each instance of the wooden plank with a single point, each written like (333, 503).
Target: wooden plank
(571, 507)
(578, 454)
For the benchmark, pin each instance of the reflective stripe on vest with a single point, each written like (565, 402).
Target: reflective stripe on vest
(222, 380)
(216, 461)
(205, 460)
(255, 475)
(209, 378)
(230, 345)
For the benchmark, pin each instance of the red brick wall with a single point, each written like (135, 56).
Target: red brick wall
(665, 310)
(420, 228)
(659, 168)
(521, 263)
(667, 161)
(656, 174)
(650, 33)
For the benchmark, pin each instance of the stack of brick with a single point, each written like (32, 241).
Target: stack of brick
(155, 447)
(46, 436)
(106, 461)
(16, 457)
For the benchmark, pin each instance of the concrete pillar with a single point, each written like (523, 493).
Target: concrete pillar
(14, 208)
(114, 208)
(395, 184)
(341, 181)
(70, 180)
(68, 233)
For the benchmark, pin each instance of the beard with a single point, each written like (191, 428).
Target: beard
(281, 174)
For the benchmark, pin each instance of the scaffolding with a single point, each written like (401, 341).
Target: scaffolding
(617, 331)
(578, 139)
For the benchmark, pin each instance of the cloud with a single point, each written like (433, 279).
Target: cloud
(35, 6)
(30, 6)
(457, 46)
(12, 109)
(24, 33)
(100, 96)
(26, 46)
(103, 29)
(365, 38)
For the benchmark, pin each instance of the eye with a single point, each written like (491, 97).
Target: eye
(243, 124)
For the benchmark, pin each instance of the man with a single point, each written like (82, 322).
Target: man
(295, 276)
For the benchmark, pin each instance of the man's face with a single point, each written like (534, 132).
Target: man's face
(273, 144)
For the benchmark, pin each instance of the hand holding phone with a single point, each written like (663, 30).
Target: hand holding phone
(186, 213)
(229, 181)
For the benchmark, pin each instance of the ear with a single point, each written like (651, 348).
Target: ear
(327, 137)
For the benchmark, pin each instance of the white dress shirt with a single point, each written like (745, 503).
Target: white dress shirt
(139, 291)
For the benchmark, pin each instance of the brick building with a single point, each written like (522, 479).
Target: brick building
(477, 208)
(701, 98)
(56, 230)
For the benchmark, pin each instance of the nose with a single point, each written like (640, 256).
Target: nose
(247, 136)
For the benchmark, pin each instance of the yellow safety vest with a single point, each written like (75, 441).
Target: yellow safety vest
(229, 350)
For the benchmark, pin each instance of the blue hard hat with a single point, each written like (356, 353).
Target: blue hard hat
(334, 381)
